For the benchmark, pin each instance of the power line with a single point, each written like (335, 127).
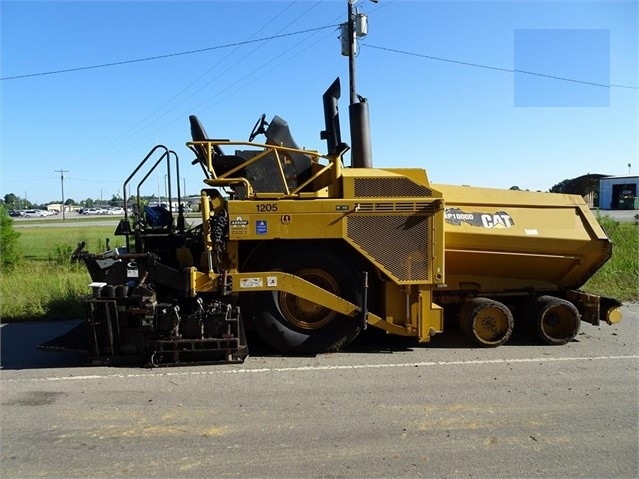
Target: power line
(149, 119)
(240, 83)
(245, 80)
(507, 70)
(168, 55)
(255, 70)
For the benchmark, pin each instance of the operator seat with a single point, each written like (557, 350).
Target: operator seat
(278, 133)
(261, 173)
(221, 162)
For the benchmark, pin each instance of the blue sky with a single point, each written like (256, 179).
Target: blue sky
(464, 124)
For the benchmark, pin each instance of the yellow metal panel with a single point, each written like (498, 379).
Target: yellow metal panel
(288, 219)
(396, 304)
(412, 308)
(278, 281)
(472, 195)
(541, 237)
(371, 183)
(201, 282)
(431, 316)
(419, 175)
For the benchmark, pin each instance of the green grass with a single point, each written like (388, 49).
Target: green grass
(43, 289)
(70, 218)
(619, 277)
(46, 285)
(43, 242)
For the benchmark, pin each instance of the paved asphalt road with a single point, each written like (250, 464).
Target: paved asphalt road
(441, 410)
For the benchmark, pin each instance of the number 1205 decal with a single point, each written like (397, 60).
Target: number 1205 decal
(266, 207)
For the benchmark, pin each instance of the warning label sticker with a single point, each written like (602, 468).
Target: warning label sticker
(251, 283)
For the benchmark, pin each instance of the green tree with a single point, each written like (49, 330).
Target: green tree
(9, 254)
(116, 200)
(69, 202)
(11, 199)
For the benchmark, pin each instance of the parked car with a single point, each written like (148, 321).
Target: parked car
(16, 213)
(116, 210)
(35, 213)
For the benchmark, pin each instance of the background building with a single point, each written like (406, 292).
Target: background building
(619, 192)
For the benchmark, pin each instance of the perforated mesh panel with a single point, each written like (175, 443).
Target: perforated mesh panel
(399, 243)
(388, 187)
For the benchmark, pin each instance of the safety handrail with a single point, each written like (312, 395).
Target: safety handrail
(165, 156)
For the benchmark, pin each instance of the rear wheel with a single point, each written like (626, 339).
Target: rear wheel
(291, 324)
(553, 320)
(486, 322)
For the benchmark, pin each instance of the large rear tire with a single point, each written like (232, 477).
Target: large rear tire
(293, 325)
(553, 321)
(486, 322)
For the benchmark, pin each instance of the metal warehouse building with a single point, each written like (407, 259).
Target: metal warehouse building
(619, 192)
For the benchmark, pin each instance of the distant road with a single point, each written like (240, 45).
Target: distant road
(74, 219)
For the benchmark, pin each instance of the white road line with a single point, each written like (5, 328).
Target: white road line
(317, 368)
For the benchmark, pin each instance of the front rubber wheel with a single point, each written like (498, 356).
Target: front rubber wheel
(293, 325)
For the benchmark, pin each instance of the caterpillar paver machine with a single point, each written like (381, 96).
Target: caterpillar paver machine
(308, 253)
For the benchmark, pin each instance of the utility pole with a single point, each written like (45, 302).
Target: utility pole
(62, 172)
(351, 52)
(356, 26)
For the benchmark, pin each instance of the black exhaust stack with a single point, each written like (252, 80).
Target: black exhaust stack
(332, 133)
(361, 153)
